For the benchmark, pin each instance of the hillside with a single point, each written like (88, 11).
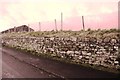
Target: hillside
(98, 49)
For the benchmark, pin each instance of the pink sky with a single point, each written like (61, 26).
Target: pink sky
(98, 14)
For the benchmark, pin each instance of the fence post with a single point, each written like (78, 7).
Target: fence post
(39, 26)
(55, 25)
(14, 29)
(61, 21)
(83, 23)
(28, 28)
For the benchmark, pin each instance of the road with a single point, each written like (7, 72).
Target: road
(17, 64)
(13, 68)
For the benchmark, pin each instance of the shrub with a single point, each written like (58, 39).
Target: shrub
(113, 30)
(89, 29)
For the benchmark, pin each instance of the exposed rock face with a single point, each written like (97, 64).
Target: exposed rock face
(90, 50)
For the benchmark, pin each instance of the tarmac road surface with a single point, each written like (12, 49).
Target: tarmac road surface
(13, 68)
(17, 64)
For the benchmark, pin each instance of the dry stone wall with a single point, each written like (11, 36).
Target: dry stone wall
(90, 50)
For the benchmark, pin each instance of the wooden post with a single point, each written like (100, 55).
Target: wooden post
(55, 25)
(28, 28)
(61, 21)
(39, 26)
(83, 23)
(9, 31)
(119, 15)
(14, 29)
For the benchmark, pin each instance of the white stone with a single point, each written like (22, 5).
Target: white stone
(113, 41)
(76, 52)
(63, 52)
(88, 54)
(84, 52)
(87, 57)
(52, 38)
(74, 38)
(70, 52)
(116, 62)
(80, 57)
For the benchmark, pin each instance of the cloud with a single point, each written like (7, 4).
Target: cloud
(16, 12)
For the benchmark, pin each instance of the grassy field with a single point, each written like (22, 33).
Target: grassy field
(112, 33)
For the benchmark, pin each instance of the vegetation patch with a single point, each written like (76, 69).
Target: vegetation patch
(96, 49)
